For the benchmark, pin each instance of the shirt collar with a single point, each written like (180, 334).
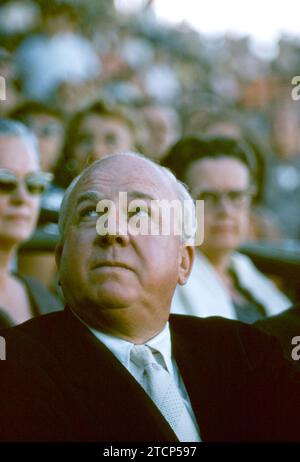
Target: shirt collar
(162, 343)
(121, 348)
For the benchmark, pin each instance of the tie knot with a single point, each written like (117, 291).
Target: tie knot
(142, 356)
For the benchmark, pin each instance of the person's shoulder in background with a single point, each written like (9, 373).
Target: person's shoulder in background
(43, 300)
(285, 327)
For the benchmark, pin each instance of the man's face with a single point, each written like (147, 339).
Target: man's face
(117, 276)
(224, 185)
(18, 208)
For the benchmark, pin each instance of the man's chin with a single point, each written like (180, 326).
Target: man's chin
(106, 299)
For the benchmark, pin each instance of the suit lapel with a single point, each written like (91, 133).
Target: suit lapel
(111, 400)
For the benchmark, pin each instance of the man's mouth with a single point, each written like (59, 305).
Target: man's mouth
(111, 264)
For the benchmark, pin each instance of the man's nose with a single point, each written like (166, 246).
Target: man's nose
(116, 232)
(224, 205)
(113, 239)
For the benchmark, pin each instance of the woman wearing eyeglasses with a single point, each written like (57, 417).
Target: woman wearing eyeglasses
(220, 171)
(21, 186)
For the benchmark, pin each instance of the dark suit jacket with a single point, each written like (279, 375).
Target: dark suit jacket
(60, 383)
(284, 326)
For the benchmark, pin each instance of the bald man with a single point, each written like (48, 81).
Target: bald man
(115, 366)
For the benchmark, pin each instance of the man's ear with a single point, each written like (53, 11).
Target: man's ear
(58, 253)
(187, 255)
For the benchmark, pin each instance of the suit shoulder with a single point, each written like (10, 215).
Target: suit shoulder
(231, 336)
(291, 315)
(284, 327)
(33, 325)
(35, 332)
(212, 325)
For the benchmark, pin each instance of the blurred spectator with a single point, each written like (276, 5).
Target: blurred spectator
(93, 133)
(161, 129)
(21, 186)
(223, 282)
(47, 125)
(263, 223)
(283, 179)
(8, 76)
(161, 83)
(60, 54)
(18, 17)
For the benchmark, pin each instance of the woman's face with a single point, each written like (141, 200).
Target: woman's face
(99, 136)
(224, 185)
(18, 208)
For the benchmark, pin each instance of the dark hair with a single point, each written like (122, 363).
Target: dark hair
(60, 7)
(192, 148)
(66, 168)
(34, 107)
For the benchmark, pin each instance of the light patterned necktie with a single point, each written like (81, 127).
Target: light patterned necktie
(160, 386)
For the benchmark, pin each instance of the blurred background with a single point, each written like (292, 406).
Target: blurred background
(165, 70)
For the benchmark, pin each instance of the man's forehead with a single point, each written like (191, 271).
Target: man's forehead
(136, 176)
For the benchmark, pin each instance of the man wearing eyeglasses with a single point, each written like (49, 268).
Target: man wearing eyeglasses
(21, 186)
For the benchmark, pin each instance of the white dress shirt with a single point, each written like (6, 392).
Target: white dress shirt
(162, 343)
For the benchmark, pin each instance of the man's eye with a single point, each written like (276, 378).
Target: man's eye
(139, 211)
(89, 212)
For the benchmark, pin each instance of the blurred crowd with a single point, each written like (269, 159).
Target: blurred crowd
(90, 81)
(60, 57)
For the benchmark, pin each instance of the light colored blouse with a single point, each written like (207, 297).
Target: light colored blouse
(206, 295)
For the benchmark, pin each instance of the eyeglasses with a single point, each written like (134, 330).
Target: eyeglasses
(36, 183)
(236, 198)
